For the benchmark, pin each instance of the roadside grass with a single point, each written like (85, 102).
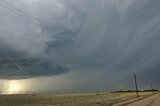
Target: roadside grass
(138, 98)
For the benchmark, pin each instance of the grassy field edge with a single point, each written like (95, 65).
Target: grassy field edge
(140, 98)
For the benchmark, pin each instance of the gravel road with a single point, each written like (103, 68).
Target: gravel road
(150, 101)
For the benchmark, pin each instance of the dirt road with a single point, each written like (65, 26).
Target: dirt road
(150, 101)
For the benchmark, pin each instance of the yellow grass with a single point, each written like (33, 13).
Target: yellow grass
(69, 99)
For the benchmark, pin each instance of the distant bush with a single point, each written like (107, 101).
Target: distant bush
(150, 90)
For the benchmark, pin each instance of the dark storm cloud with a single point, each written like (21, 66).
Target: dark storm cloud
(27, 29)
(118, 37)
(112, 37)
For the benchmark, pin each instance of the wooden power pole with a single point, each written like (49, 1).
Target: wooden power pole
(135, 80)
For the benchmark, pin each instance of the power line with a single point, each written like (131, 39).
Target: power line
(6, 32)
(31, 19)
(17, 30)
(26, 16)
(75, 56)
(35, 21)
(102, 58)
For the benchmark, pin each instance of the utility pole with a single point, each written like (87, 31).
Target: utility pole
(135, 80)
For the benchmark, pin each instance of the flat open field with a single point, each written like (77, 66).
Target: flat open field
(68, 99)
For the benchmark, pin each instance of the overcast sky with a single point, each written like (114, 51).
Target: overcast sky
(80, 44)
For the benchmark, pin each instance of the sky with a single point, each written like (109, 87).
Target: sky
(71, 45)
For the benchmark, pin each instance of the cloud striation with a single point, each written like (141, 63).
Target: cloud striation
(111, 37)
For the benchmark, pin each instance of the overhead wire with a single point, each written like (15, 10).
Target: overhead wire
(10, 35)
(24, 15)
(20, 31)
(33, 20)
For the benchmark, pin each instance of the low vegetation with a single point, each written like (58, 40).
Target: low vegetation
(69, 99)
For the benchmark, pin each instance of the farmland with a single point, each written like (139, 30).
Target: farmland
(68, 99)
